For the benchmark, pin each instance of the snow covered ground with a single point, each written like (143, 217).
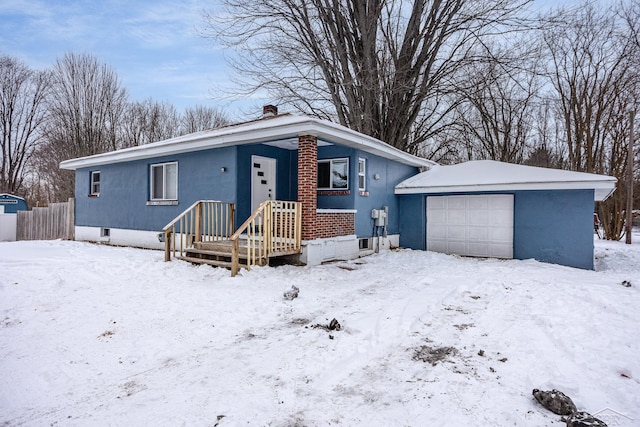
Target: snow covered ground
(98, 335)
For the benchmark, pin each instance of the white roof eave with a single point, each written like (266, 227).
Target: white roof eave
(602, 189)
(291, 126)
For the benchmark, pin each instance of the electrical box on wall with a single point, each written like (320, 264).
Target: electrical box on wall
(380, 217)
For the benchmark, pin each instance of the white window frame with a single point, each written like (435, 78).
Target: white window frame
(164, 167)
(331, 162)
(92, 185)
(362, 174)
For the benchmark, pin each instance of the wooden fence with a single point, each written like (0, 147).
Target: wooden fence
(56, 221)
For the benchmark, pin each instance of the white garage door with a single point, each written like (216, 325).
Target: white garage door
(471, 225)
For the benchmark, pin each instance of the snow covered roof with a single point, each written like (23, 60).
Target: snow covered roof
(489, 175)
(281, 130)
(7, 195)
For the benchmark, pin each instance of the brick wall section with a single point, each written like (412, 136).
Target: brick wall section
(335, 224)
(307, 181)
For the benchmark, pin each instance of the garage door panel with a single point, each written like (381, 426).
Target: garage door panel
(438, 216)
(456, 217)
(479, 218)
(438, 245)
(438, 203)
(478, 202)
(476, 234)
(456, 233)
(456, 202)
(437, 233)
(478, 225)
(478, 249)
(456, 247)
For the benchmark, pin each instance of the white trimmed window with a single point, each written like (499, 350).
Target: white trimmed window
(95, 183)
(362, 174)
(164, 181)
(333, 174)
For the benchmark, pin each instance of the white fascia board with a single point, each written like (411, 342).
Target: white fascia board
(247, 134)
(602, 189)
(197, 142)
(350, 138)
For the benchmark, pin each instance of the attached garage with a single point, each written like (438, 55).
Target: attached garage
(500, 210)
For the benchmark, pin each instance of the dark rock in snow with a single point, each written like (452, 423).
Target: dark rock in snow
(555, 401)
(334, 325)
(292, 293)
(584, 419)
(626, 283)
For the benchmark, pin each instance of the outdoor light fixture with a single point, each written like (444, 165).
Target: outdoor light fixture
(376, 176)
(223, 169)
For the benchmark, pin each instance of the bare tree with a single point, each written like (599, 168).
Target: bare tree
(381, 67)
(22, 113)
(498, 100)
(595, 75)
(199, 118)
(612, 210)
(631, 15)
(85, 108)
(630, 12)
(148, 121)
(546, 149)
(591, 62)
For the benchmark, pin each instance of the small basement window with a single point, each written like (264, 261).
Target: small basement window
(364, 244)
(95, 183)
(333, 174)
(164, 181)
(105, 232)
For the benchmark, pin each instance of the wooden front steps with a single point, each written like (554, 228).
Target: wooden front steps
(204, 234)
(218, 254)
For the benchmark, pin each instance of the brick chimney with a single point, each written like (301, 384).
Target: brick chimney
(269, 110)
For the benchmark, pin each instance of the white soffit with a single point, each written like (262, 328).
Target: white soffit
(489, 175)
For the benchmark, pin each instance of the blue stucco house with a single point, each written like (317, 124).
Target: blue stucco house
(337, 193)
(127, 197)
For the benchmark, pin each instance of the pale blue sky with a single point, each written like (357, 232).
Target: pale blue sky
(153, 45)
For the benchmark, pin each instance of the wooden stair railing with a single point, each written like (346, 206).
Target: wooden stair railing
(203, 221)
(202, 234)
(273, 229)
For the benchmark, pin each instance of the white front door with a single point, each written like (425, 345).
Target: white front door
(263, 180)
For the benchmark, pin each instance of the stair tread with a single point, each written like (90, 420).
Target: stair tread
(241, 254)
(215, 263)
